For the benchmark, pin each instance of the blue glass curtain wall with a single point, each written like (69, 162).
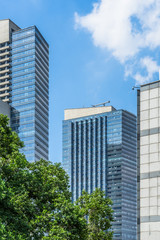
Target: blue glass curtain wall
(29, 100)
(100, 151)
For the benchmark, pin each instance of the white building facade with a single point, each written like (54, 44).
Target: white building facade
(149, 161)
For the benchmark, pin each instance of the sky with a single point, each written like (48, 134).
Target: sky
(99, 50)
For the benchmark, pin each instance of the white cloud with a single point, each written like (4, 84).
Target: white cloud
(151, 66)
(112, 27)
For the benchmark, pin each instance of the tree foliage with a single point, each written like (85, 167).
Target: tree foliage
(35, 202)
(97, 210)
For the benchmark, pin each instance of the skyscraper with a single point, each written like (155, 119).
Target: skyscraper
(149, 161)
(5, 109)
(6, 29)
(24, 68)
(99, 151)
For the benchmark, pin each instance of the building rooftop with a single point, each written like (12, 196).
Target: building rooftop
(6, 28)
(7, 19)
(158, 81)
(73, 113)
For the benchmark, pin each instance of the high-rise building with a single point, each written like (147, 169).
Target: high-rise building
(24, 68)
(5, 109)
(99, 151)
(149, 161)
(6, 29)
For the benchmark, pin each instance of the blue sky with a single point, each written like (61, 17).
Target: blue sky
(98, 51)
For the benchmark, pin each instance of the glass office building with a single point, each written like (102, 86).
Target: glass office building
(28, 89)
(99, 151)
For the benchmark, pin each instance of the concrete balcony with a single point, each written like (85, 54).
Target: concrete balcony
(4, 54)
(4, 71)
(6, 100)
(5, 89)
(4, 65)
(5, 77)
(4, 94)
(4, 48)
(4, 59)
(4, 83)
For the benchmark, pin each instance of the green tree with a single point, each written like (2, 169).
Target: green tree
(97, 210)
(35, 202)
(34, 197)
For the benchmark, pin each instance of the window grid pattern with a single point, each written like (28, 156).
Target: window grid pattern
(100, 151)
(29, 98)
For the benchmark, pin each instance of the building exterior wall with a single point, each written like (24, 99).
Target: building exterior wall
(4, 30)
(100, 151)
(24, 68)
(7, 27)
(150, 161)
(30, 91)
(138, 164)
(83, 112)
(5, 109)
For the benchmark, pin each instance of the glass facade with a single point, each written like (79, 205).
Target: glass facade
(29, 91)
(99, 151)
